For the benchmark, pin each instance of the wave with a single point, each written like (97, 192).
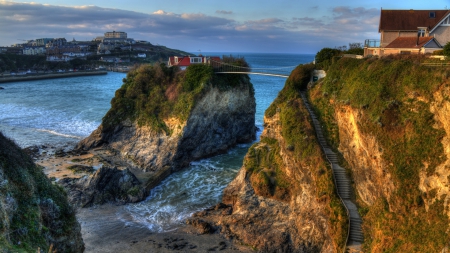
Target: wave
(60, 134)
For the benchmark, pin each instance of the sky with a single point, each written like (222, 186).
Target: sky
(273, 26)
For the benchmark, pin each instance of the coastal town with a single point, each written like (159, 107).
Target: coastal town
(112, 51)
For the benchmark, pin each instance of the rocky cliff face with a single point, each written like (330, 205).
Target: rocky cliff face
(220, 114)
(283, 198)
(387, 119)
(34, 213)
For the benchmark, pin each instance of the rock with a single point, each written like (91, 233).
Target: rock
(266, 215)
(32, 151)
(220, 119)
(60, 153)
(105, 185)
(81, 169)
(202, 226)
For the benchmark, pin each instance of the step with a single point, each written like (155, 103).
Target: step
(356, 237)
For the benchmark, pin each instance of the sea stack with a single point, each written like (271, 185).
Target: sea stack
(162, 118)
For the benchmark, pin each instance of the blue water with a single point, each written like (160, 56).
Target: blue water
(61, 111)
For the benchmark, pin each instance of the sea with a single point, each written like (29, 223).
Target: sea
(61, 112)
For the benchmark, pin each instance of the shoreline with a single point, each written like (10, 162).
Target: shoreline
(111, 227)
(20, 78)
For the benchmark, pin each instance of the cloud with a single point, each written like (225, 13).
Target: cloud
(188, 31)
(224, 12)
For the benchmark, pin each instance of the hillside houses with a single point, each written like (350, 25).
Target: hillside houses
(410, 32)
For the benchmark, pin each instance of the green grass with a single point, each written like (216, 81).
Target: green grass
(152, 93)
(386, 91)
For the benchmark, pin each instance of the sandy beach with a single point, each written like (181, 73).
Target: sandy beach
(110, 228)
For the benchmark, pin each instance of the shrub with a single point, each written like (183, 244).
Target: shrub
(446, 50)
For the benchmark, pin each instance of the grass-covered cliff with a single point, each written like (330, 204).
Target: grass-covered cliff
(289, 156)
(388, 119)
(34, 213)
(162, 118)
(152, 93)
(284, 199)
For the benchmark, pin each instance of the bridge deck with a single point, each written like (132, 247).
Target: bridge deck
(253, 73)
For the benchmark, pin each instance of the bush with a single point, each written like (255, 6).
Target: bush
(446, 50)
(325, 57)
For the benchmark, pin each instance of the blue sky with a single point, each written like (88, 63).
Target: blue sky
(281, 26)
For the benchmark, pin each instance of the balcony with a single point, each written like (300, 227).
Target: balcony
(372, 43)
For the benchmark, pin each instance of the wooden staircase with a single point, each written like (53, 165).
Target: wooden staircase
(355, 236)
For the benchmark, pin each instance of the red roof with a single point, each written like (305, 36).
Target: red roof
(184, 61)
(409, 42)
(410, 20)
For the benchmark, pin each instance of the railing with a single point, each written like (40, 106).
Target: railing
(227, 68)
(372, 43)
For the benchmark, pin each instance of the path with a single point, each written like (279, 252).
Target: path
(355, 236)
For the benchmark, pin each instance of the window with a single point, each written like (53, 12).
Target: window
(196, 59)
(432, 14)
(446, 21)
(421, 32)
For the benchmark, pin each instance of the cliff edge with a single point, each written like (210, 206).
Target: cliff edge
(388, 120)
(162, 118)
(34, 213)
(283, 199)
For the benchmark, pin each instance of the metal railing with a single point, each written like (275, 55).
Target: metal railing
(372, 43)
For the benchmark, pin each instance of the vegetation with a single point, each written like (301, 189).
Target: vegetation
(152, 93)
(266, 166)
(33, 212)
(446, 50)
(326, 56)
(385, 91)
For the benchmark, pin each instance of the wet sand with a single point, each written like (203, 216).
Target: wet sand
(104, 230)
(110, 227)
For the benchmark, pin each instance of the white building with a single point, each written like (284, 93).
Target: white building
(34, 50)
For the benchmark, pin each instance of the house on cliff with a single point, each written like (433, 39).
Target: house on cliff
(184, 61)
(410, 32)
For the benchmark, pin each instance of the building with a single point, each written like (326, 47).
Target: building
(184, 61)
(410, 32)
(56, 42)
(43, 41)
(40, 50)
(115, 35)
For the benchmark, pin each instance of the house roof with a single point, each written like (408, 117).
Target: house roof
(409, 20)
(410, 42)
(184, 61)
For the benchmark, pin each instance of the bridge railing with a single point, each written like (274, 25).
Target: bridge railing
(222, 67)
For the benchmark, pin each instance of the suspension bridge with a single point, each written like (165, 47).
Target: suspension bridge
(226, 68)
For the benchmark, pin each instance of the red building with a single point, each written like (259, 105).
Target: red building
(184, 61)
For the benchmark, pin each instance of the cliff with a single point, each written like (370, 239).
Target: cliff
(34, 213)
(161, 119)
(283, 199)
(387, 118)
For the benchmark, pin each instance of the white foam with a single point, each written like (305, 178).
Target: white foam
(59, 134)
